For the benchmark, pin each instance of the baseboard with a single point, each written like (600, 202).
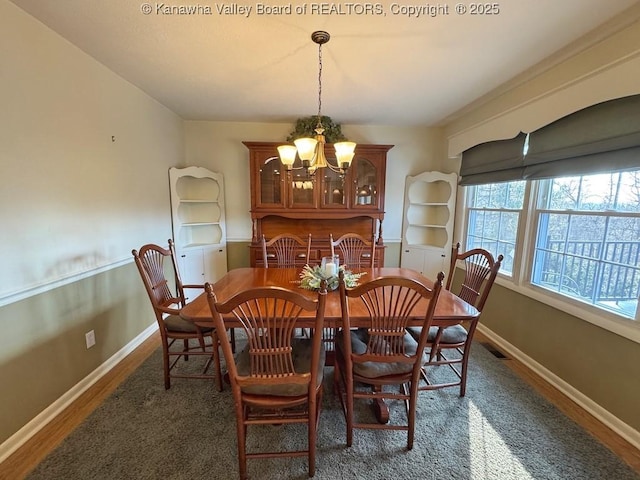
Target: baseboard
(43, 418)
(607, 418)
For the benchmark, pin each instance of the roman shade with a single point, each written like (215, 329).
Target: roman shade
(492, 162)
(601, 138)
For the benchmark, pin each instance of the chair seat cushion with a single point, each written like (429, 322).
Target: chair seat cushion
(359, 340)
(302, 349)
(454, 334)
(175, 323)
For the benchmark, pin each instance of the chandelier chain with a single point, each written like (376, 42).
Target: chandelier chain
(319, 86)
(312, 150)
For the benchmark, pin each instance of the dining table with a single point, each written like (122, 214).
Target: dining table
(450, 309)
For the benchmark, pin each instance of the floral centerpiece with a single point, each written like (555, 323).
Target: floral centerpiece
(312, 276)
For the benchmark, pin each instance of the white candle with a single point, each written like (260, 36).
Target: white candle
(330, 269)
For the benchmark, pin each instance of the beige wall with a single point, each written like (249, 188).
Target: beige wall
(74, 205)
(600, 365)
(42, 348)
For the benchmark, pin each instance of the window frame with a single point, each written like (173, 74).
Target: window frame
(516, 272)
(519, 281)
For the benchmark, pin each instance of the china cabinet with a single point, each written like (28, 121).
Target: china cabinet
(321, 203)
(429, 211)
(198, 221)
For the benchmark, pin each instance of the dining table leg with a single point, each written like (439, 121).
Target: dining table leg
(381, 410)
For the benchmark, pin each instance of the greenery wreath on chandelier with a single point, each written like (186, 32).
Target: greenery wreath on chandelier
(306, 127)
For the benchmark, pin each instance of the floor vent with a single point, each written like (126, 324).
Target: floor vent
(494, 351)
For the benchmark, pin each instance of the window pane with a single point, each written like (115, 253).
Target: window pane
(599, 192)
(508, 227)
(593, 258)
(508, 195)
(586, 234)
(564, 194)
(514, 195)
(494, 214)
(476, 224)
(611, 191)
(495, 232)
(629, 196)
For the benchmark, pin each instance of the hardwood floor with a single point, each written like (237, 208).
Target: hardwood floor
(21, 462)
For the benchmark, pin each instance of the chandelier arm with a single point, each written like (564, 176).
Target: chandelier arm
(289, 169)
(335, 169)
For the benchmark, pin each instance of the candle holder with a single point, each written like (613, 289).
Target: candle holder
(330, 265)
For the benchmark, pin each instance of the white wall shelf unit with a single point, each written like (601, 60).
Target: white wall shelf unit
(198, 221)
(429, 213)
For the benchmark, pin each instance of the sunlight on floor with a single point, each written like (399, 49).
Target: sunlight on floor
(491, 458)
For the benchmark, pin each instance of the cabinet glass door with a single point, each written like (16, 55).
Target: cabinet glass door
(303, 187)
(365, 182)
(333, 189)
(271, 191)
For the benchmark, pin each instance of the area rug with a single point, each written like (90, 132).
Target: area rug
(502, 429)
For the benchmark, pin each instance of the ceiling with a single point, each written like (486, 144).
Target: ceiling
(388, 69)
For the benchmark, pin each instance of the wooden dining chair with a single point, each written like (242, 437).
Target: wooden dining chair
(286, 250)
(371, 360)
(167, 300)
(454, 337)
(355, 251)
(277, 378)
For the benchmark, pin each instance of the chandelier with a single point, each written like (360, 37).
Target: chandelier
(311, 150)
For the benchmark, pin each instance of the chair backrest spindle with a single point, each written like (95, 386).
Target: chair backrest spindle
(355, 250)
(287, 250)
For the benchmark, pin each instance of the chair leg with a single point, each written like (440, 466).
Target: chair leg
(349, 412)
(185, 344)
(411, 414)
(463, 370)
(216, 359)
(165, 364)
(311, 444)
(241, 429)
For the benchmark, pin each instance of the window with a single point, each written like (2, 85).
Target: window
(584, 231)
(587, 243)
(494, 212)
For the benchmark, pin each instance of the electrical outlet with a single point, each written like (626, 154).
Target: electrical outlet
(90, 337)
